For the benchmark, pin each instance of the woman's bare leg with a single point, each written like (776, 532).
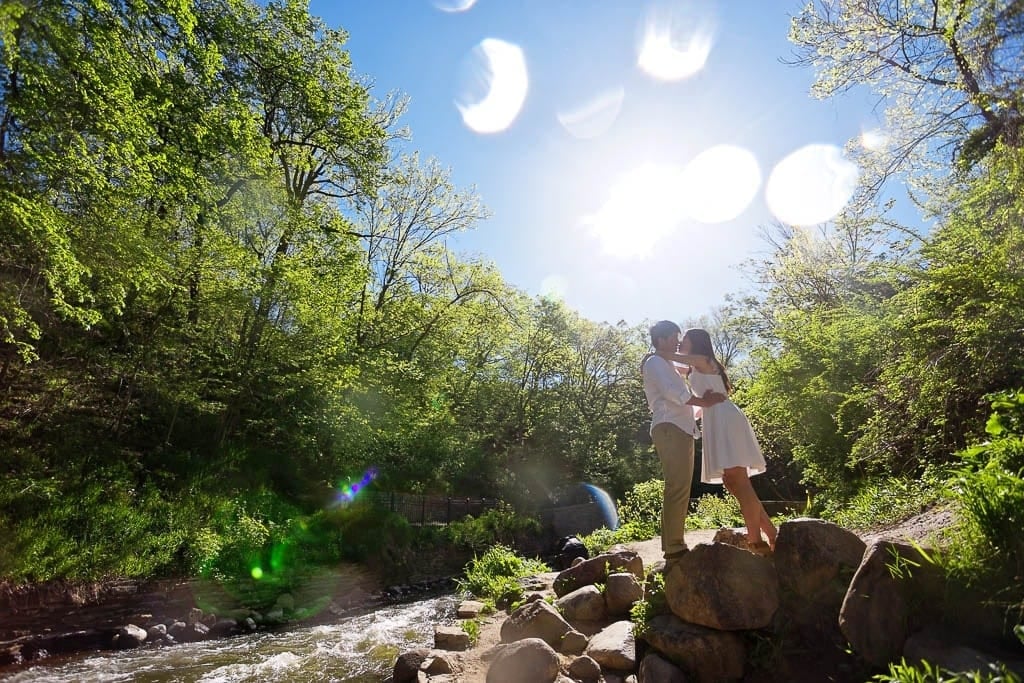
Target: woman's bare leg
(738, 484)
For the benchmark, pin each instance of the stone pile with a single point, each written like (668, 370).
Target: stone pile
(822, 587)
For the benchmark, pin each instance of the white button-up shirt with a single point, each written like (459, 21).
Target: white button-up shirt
(667, 394)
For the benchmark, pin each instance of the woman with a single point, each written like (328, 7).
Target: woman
(672, 429)
(731, 454)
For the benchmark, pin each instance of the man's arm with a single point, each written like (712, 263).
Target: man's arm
(667, 382)
(709, 399)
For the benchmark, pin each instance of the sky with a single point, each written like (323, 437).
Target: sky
(629, 151)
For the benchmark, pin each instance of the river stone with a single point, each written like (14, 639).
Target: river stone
(585, 668)
(655, 669)
(620, 592)
(596, 569)
(156, 631)
(469, 609)
(614, 647)
(195, 615)
(129, 636)
(535, 620)
(441, 663)
(704, 654)
(530, 660)
(450, 638)
(408, 664)
(573, 643)
(583, 604)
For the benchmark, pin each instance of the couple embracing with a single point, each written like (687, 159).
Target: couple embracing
(682, 376)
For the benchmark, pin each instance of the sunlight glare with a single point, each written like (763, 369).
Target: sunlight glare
(719, 183)
(595, 116)
(874, 139)
(643, 207)
(669, 58)
(499, 69)
(811, 185)
(554, 286)
(454, 5)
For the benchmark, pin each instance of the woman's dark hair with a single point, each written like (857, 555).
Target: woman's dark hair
(700, 345)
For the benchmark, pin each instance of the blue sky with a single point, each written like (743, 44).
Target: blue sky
(598, 186)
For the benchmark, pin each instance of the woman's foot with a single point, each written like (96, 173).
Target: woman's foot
(759, 547)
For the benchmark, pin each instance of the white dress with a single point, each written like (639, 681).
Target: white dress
(726, 437)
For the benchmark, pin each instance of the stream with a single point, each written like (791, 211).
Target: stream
(359, 649)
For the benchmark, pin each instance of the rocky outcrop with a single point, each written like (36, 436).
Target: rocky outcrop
(725, 607)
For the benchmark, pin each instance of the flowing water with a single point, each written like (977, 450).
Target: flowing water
(359, 649)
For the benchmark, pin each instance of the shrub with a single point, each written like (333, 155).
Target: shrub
(498, 525)
(884, 501)
(642, 508)
(713, 512)
(495, 575)
(651, 605)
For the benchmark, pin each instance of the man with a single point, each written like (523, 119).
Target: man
(672, 429)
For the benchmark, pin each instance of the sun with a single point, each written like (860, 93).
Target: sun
(642, 208)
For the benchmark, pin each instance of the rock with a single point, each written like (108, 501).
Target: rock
(285, 602)
(620, 592)
(156, 631)
(585, 668)
(948, 651)
(722, 587)
(195, 616)
(703, 654)
(408, 664)
(875, 616)
(274, 616)
(655, 669)
(250, 624)
(441, 663)
(614, 647)
(209, 620)
(573, 643)
(525, 661)
(223, 627)
(815, 561)
(577, 560)
(469, 609)
(11, 654)
(130, 636)
(731, 537)
(450, 638)
(583, 604)
(535, 620)
(595, 570)
(184, 633)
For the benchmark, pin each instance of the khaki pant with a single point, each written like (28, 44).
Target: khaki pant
(675, 450)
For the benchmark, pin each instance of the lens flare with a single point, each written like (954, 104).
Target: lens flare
(719, 183)
(593, 117)
(672, 55)
(609, 514)
(454, 6)
(349, 490)
(498, 69)
(554, 286)
(257, 572)
(643, 207)
(811, 185)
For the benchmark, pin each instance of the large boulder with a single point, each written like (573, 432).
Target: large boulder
(815, 561)
(876, 615)
(621, 590)
(722, 587)
(583, 604)
(535, 620)
(614, 647)
(129, 636)
(530, 660)
(596, 570)
(704, 654)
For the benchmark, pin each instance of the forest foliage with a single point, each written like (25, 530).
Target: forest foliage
(226, 289)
